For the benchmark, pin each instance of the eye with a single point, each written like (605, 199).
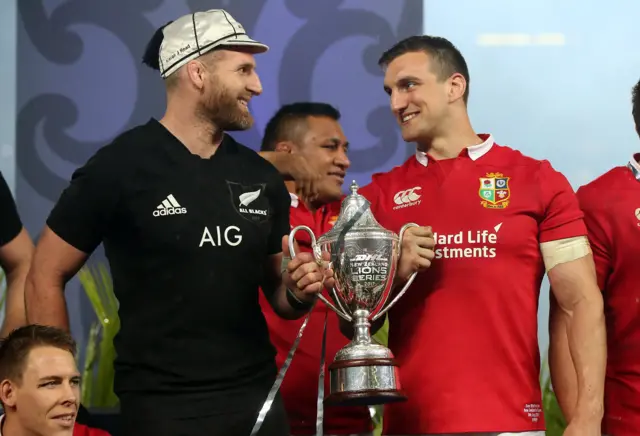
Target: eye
(409, 85)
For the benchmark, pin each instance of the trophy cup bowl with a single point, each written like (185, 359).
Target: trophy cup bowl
(364, 256)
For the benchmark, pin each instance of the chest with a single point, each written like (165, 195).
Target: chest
(625, 220)
(476, 213)
(201, 212)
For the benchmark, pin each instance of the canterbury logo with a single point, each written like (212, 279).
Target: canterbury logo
(169, 206)
(408, 196)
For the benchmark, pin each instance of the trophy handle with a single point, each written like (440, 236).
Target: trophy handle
(406, 285)
(318, 255)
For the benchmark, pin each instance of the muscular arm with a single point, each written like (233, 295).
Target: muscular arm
(54, 263)
(15, 258)
(577, 319)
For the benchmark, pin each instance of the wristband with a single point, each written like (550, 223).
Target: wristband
(296, 303)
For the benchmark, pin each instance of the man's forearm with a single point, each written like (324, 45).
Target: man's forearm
(561, 366)
(15, 315)
(282, 304)
(588, 346)
(45, 303)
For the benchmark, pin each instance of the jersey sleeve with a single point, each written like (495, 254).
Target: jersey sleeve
(281, 201)
(561, 215)
(87, 206)
(599, 231)
(10, 223)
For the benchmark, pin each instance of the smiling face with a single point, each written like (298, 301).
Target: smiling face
(228, 85)
(325, 146)
(421, 100)
(45, 401)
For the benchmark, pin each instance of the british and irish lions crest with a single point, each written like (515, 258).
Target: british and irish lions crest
(364, 257)
(494, 191)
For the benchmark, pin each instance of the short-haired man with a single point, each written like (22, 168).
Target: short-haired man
(40, 384)
(312, 131)
(465, 333)
(193, 224)
(611, 206)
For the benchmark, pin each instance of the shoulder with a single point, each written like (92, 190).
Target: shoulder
(83, 430)
(590, 194)
(250, 157)
(125, 149)
(382, 179)
(509, 156)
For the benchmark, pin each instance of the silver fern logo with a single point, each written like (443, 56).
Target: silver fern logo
(247, 198)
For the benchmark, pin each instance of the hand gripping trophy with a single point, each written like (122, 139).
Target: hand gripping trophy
(364, 257)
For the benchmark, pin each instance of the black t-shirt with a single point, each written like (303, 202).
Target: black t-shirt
(10, 223)
(186, 239)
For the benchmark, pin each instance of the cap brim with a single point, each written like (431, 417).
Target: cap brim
(246, 43)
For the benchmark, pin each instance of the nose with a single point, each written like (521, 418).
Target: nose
(342, 160)
(398, 102)
(254, 85)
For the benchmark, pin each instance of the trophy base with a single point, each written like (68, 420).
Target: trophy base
(364, 382)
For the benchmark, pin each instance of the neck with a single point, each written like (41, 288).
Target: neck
(11, 427)
(200, 136)
(451, 139)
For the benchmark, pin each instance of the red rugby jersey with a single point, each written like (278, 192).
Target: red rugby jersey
(465, 333)
(611, 204)
(300, 386)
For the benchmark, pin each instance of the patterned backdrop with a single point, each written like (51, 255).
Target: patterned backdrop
(81, 82)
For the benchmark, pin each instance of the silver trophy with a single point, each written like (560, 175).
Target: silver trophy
(364, 257)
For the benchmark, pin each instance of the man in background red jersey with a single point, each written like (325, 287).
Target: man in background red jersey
(312, 131)
(611, 204)
(465, 334)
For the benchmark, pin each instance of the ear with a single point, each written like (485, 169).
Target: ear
(284, 146)
(196, 70)
(457, 87)
(8, 393)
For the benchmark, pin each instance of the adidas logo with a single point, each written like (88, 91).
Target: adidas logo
(169, 206)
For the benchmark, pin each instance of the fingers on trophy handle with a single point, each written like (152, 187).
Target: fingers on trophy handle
(292, 236)
(318, 255)
(406, 285)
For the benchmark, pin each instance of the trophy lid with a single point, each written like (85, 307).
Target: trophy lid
(355, 217)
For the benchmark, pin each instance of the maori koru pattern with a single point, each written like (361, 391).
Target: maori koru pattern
(58, 31)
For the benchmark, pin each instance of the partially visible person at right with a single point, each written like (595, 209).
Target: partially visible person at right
(611, 205)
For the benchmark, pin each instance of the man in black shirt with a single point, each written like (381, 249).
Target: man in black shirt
(192, 224)
(16, 250)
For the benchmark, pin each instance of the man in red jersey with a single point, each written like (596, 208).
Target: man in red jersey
(312, 131)
(40, 384)
(465, 334)
(611, 204)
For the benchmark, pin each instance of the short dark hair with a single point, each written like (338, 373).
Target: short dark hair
(447, 58)
(15, 348)
(282, 126)
(635, 105)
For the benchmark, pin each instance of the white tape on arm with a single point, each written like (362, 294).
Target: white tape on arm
(564, 250)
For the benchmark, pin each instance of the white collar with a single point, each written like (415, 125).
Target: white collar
(475, 152)
(294, 203)
(633, 165)
(1, 421)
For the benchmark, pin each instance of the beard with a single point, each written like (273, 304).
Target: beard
(222, 108)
